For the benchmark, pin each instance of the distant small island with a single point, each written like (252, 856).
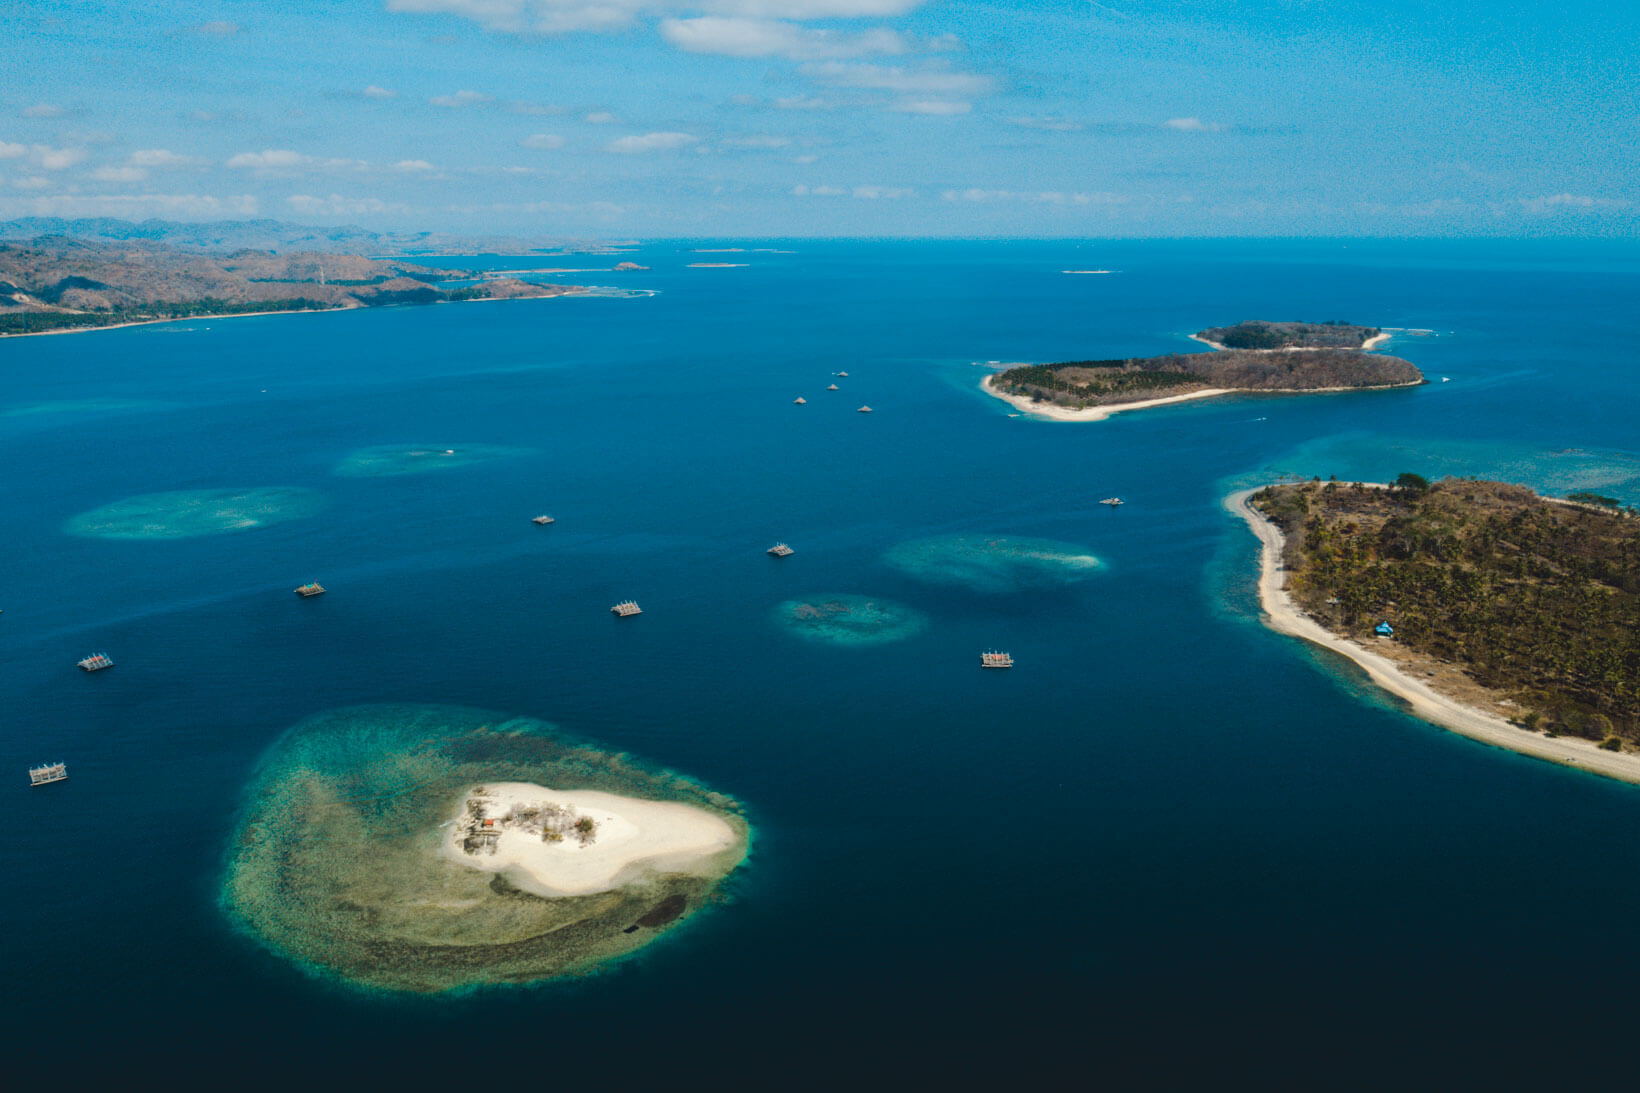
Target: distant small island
(429, 849)
(1093, 390)
(1261, 334)
(55, 284)
(1506, 616)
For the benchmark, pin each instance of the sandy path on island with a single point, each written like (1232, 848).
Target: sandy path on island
(633, 836)
(1284, 616)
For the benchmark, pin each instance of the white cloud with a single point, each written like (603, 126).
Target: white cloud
(881, 193)
(806, 159)
(56, 159)
(412, 165)
(765, 38)
(1037, 197)
(1555, 203)
(272, 157)
(756, 142)
(161, 158)
(118, 174)
(12, 151)
(137, 206)
(459, 100)
(650, 142)
(818, 191)
(374, 92)
(938, 107)
(32, 182)
(218, 28)
(283, 159)
(1193, 125)
(806, 102)
(601, 117)
(533, 109)
(1052, 125)
(930, 81)
(543, 140)
(337, 205)
(43, 110)
(564, 16)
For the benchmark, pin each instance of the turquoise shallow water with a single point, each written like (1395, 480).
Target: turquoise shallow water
(1166, 839)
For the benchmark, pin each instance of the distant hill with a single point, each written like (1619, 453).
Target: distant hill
(1260, 334)
(57, 283)
(280, 236)
(1101, 383)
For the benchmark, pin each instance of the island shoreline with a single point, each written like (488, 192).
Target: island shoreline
(1054, 412)
(1282, 614)
(578, 291)
(1366, 346)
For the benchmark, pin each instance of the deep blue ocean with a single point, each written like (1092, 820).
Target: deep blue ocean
(1168, 846)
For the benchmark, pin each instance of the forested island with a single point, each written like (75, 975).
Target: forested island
(1522, 607)
(55, 283)
(1087, 385)
(1261, 334)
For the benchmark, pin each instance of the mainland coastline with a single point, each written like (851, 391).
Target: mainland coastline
(1281, 613)
(568, 290)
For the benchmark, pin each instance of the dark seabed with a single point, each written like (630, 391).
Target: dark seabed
(1168, 843)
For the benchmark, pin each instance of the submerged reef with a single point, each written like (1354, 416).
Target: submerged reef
(182, 514)
(843, 619)
(391, 460)
(993, 564)
(343, 857)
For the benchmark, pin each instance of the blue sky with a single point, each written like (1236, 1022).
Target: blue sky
(831, 117)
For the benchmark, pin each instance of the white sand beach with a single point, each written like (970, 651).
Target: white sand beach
(1284, 616)
(1051, 412)
(632, 837)
(1370, 343)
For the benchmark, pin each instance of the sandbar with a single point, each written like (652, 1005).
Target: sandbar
(632, 836)
(1284, 616)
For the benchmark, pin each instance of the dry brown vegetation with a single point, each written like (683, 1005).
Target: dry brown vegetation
(58, 283)
(1259, 334)
(1094, 383)
(1534, 599)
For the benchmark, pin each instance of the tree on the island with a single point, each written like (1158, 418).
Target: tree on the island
(1411, 483)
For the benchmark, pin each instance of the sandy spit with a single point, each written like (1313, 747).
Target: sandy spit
(1282, 615)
